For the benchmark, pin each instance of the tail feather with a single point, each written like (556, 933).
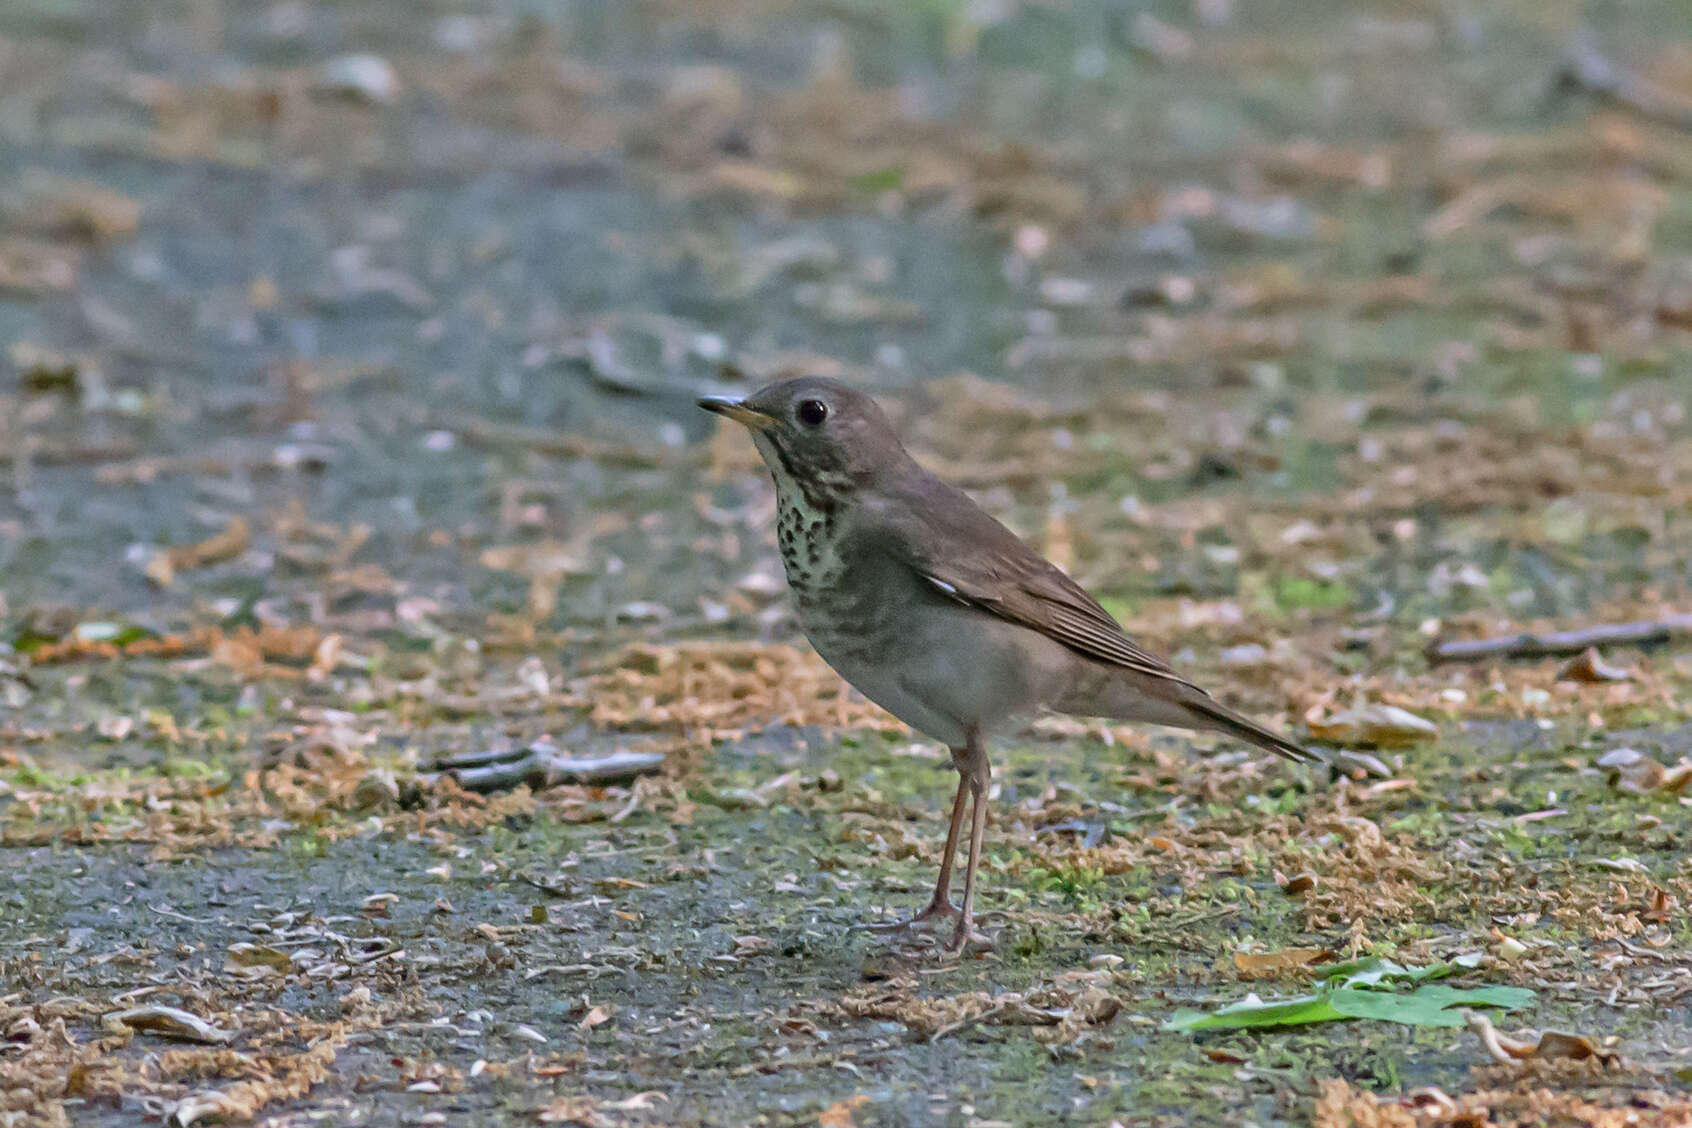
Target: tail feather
(1130, 696)
(1213, 714)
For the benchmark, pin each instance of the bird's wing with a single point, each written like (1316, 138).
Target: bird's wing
(968, 556)
(964, 554)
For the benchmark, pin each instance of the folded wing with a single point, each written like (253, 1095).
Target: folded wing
(969, 557)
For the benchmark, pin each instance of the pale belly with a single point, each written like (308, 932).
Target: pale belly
(942, 668)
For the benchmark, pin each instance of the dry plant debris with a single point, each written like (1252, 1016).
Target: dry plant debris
(1359, 393)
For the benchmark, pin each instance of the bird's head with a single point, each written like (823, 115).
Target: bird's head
(815, 431)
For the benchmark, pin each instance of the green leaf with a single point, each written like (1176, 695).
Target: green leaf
(1373, 971)
(1254, 1012)
(879, 180)
(1317, 595)
(28, 641)
(118, 634)
(1365, 989)
(1428, 1005)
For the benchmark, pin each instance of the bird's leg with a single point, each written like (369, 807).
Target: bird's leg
(977, 774)
(940, 905)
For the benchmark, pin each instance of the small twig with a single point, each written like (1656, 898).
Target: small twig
(550, 889)
(1644, 632)
(362, 959)
(541, 766)
(629, 808)
(71, 454)
(771, 1065)
(591, 970)
(1645, 953)
(962, 1024)
(1209, 914)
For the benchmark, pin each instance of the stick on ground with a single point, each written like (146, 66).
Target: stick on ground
(1644, 632)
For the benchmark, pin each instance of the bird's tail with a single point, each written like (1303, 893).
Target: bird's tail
(1170, 700)
(1215, 715)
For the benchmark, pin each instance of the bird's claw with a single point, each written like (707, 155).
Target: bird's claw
(937, 910)
(964, 937)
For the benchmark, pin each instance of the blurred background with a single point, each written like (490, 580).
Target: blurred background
(447, 278)
(348, 358)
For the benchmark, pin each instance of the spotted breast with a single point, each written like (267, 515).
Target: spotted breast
(807, 532)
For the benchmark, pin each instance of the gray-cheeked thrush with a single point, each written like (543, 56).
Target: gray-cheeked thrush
(937, 612)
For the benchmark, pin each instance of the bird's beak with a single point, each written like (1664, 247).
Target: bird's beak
(737, 410)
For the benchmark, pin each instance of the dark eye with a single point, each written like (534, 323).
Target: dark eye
(812, 412)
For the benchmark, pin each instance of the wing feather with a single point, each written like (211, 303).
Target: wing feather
(959, 549)
(969, 557)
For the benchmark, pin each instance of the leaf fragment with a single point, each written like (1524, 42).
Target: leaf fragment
(1256, 964)
(1378, 724)
(169, 1022)
(1364, 988)
(1589, 666)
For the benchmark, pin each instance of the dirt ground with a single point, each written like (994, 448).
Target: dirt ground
(346, 424)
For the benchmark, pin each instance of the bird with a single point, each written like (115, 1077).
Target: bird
(938, 613)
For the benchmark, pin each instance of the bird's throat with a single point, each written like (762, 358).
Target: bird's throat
(808, 535)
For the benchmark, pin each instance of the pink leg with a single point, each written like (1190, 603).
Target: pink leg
(977, 773)
(940, 905)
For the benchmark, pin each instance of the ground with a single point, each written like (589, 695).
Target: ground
(347, 425)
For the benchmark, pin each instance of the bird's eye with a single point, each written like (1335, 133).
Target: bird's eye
(812, 412)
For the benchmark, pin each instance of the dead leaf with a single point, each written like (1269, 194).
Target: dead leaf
(1587, 666)
(839, 1114)
(576, 1109)
(596, 1016)
(259, 955)
(1258, 964)
(1361, 764)
(1377, 724)
(752, 945)
(378, 904)
(1631, 770)
(236, 538)
(169, 1022)
(606, 884)
(1552, 1045)
(1675, 779)
(325, 658)
(1299, 884)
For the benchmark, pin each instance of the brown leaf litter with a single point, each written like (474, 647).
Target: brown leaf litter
(1563, 1094)
(278, 1056)
(722, 690)
(1551, 1045)
(1060, 1010)
(315, 778)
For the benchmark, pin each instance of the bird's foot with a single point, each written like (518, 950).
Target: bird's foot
(965, 937)
(937, 910)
